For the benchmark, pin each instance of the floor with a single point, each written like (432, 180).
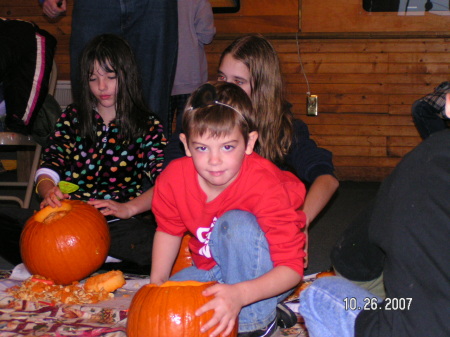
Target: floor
(348, 201)
(324, 231)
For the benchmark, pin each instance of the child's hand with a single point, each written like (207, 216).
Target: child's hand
(227, 304)
(53, 197)
(53, 8)
(109, 207)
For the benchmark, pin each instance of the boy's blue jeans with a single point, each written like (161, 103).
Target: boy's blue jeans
(323, 306)
(241, 251)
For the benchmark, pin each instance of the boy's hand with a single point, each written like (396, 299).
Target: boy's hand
(227, 304)
(109, 207)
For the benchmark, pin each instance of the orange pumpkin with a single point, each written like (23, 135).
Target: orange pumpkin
(66, 243)
(184, 257)
(169, 310)
(326, 274)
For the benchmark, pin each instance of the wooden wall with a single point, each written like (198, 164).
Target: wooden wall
(366, 68)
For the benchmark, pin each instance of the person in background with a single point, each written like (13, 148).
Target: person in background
(26, 60)
(149, 26)
(111, 147)
(195, 29)
(403, 238)
(429, 112)
(242, 211)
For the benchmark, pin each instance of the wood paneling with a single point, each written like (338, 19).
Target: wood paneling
(367, 70)
(349, 16)
(263, 16)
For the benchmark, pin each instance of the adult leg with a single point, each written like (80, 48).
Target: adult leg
(330, 306)
(241, 251)
(89, 19)
(356, 258)
(427, 119)
(151, 28)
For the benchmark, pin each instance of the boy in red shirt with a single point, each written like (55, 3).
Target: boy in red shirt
(242, 210)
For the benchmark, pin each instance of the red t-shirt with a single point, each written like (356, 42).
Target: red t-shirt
(272, 195)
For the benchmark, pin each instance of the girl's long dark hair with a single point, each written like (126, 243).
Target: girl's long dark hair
(113, 54)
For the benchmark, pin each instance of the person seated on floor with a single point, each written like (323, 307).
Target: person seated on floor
(430, 113)
(242, 211)
(400, 241)
(108, 145)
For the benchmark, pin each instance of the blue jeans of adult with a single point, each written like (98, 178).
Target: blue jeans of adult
(241, 251)
(330, 306)
(151, 29)
(427, 119)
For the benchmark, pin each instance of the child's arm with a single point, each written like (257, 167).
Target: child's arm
(229, 299)
(127, 209)
(165, 250)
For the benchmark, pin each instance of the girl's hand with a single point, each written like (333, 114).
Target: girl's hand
(227, 304)
(54, 8)
(110, 207)
(53, 197)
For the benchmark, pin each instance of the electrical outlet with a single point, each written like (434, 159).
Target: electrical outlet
(312, 105)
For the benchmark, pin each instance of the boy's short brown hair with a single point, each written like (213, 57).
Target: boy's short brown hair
(217, 108)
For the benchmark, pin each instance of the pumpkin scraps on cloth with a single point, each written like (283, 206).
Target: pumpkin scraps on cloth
(36, 315)
(42, 290)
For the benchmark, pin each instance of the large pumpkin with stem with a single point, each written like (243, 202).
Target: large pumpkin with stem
(169, 310)
(66, 243)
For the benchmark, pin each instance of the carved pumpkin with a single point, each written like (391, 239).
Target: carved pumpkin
(184, 257)
(169, 310)
(66, 243)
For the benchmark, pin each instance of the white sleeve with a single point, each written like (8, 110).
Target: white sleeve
(48, 172)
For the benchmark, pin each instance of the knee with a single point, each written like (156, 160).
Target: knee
(236, 225)
(320, 293)
(318, 285)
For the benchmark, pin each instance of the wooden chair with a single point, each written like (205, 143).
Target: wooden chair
(28, 154)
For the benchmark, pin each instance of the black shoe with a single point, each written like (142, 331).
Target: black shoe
(266, 332)
(286, 318)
